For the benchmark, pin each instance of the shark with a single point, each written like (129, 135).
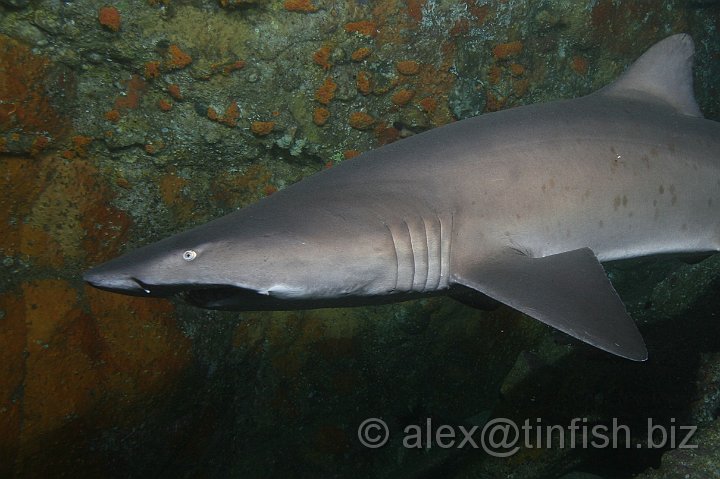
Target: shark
(520, 206)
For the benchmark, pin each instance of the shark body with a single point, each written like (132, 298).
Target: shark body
(520, 205)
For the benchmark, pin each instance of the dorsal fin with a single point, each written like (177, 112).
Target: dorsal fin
(662, 74)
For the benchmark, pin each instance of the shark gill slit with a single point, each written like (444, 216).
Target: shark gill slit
(421, 256)
(447, 257)
(440, 252)
(433, 257)
(411, 262)
(397, 258)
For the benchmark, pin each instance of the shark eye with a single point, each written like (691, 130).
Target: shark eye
(189, 255)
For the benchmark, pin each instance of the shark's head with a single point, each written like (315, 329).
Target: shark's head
(248, 262)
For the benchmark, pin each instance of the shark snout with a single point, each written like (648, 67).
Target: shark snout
(100, 278)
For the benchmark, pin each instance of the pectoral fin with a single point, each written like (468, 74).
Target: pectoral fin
(568, 291)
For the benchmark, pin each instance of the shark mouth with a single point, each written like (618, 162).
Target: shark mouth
(217, 297)
(236, 298)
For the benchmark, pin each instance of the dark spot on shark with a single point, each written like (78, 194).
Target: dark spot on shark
(662, 190)
(655, 203)
(646, 161)
(617, 202)
(674, 200)
(624, 201)
(601, 224)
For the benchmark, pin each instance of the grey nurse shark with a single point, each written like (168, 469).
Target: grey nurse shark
(520, 206)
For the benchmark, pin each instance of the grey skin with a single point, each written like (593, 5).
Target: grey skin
(520, 206)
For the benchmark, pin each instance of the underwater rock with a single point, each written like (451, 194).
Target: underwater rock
(580, 475)
(706, 408)
(701, 462)
(35, 99)
(16, 3)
